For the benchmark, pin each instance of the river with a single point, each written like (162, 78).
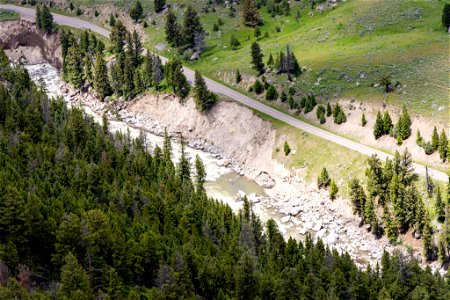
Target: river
(296, 215)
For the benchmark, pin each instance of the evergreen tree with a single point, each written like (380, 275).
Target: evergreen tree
(387, 123)
(200, 174)
(363, 120)
(74, 280)
(257, 32)
(117, 37)
(44, 19)
(238, 76)
(250, 13)
(378, 129)
(176, 78)
(443, 145)
(286, 148)
(172, 29)
(357, 196)
(157, 71)
(137, 11)
(427, 241)
(191, 27)
(257, 56)
(271, 93)
(439, 204)
(329, 110)
(112, 20)
(333, 190)
(74, 67)
(101, 80)
(258, 87)
(87, 76)
(323, 180)
(159, 5)
(419, 139)
(435, 139)
(147, 70)
(204, 99)
(234, 43)
(446, 16)
(404, 124)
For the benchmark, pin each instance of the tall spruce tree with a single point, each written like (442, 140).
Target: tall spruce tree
(117, 37)
(74, 67)
(204, 99)
(191, 27)
(172, 29)
(443, 146)
(137, 11)
(435, 139)
(101, 80)
(257, 58)
(147, 70)
(157, 71)
(387, 123)
(378, 129)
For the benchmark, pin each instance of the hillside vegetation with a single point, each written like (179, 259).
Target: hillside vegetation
(348, 49)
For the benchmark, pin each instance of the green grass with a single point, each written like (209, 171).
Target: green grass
(8, 15)
(401, 38)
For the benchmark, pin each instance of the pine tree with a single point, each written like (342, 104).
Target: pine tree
(257, 58)
(378, 129)
(323, 180)
(439, 204)
(176, 78)
(117, 37)
(38, 17)
(73, 278)
(257, 32)
(204, 99)
(329, 110)
(45, 19)
(159, 5)
(238, 76)
(427, 241)
(258, 87)
(250, 13)
(137, 11)
(404, 124)
(200, 174)
(112, 20)
(446, 16)
(74, 67)
(435, 139)
(363, 120)
(387, 123)
(333, 190)
(270, 61)
(147, 70)
(191, 27)
(157, 71)
(357, 196)
(419, 139)
(172, 29)
(271, 93)
(87, 69)
(101, 81)
(234, 43)
(443, 145)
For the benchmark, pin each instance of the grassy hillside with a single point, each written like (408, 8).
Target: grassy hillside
(347, 48)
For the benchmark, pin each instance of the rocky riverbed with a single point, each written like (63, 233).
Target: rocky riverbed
(298, 207)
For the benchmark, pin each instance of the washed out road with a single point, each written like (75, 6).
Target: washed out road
(29, 13)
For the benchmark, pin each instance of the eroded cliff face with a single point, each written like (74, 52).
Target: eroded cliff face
(22, 40)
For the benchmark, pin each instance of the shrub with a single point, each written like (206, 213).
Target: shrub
(283, 96)
(363, 120)
(324, 179)
(258, 88)
(271, 93)
(215, 27)
(333, 190)
(286, 148)
(428, 147)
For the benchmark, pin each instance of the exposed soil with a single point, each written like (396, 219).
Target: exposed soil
(23, 41)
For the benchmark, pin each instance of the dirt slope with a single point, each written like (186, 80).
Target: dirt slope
(21, 38)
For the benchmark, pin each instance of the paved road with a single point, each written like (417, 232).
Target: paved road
(216, 87)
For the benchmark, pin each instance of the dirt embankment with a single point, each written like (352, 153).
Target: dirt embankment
(22, 40)
(236, 130)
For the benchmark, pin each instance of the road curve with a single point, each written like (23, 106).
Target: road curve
(29, 13)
